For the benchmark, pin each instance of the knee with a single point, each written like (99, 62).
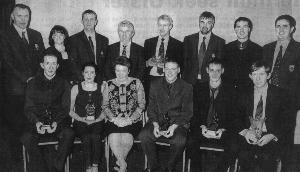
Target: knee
(178, 140)
(68, 133)
(145, 135)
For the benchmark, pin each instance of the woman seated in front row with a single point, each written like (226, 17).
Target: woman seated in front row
(123, 104)
(85, 109)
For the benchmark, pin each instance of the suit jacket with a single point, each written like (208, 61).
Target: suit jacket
(174, 50)
(224, 106)
(276, 112)
(178, 105)
(289, 72)
(136, 57)
(20, 62)
(190, 55)
(81, 53)
(237, 63)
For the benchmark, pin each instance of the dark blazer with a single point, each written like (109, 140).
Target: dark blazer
(136, 57)
(81, 52)
(277, 110)
(224, 106)
(20, 62)
(289, 74)
(237, 63)
(178, 105)
(190, 55)
(174, 50)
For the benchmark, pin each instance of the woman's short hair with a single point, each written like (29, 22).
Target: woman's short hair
(89, 64)
(123, 61)
(58, 29)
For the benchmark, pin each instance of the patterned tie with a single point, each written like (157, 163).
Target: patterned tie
(161, 54)
(124, 50)
(212, 118)
(259, 109)
(24, 39)
(201, 54)
(275, 73)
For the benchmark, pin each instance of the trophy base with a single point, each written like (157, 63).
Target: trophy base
(46, 127)
(212, 133)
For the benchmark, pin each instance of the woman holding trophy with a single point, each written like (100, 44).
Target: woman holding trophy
(123, 104)
(85, 109)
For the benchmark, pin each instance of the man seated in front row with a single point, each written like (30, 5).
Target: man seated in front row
(47, 106)
(169, 111)
(262, 111)
(211, 122)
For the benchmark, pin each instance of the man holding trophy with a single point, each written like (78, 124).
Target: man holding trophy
(262, 111)
(47, 106)
(170, 109)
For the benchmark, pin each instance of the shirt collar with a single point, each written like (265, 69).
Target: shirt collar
(20, 30)
(207, 37)
(90, 34)
(127, 46)
(262, 89)
(284, 43)
(166, 38)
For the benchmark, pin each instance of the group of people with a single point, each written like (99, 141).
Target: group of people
(240, 95)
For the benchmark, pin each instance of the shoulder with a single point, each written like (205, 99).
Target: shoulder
(101, 37)
(135, 45)
(76, 35)
(192, 36)
(269, 45)
(231, 45)
(255, 45)
(217, 38)
(114, 45)
(185, 84)
(176, 41)
(151, 40)
(34, 32)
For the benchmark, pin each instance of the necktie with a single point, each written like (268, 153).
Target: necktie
(124, 50)
(259, 109)
(212, 119)
(24, 38)
(161, 54)
(201, 54)
(92, 47)
(275, 73)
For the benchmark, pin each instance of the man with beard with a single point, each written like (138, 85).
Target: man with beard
(46, 107)
(240, 54)
(200, 48)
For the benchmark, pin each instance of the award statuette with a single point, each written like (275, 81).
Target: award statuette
(90, 109)
(47, 125)
(256, 126)
(157, 60)
(165, 124)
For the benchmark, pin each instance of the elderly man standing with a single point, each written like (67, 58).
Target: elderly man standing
(170, 110)
(88, 46)
(125, 47)
(21, 49)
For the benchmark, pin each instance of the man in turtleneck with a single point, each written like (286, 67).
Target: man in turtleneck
(47, 104)
(240, 54)
(283, 55)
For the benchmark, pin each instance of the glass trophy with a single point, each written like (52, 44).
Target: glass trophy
(157, 60)
(256, 126)
(90, 109)
(165, 124)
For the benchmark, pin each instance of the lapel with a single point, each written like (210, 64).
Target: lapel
(133, 55)
(87, 46)
(195, 44)
(288, 52)
(210, 44)
(98, 45)
(251, 102)
(116, 50)
(170, 44)
(154, 44)
(271, 55)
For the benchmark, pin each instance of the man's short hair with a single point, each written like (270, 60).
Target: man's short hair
(207, 15)
(259, 64)
(22, 6)
(246, 20)
(58, 29)
(88, 12)
(123, 61)
(165, 17)
(215, 61)
(172, 60)
(126, 23)
(288, 18)
(42, 59)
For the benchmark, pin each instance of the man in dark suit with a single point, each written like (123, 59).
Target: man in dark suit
(261, 120)
(200, 48)
(128, 49)
(240, 54)
(170, 109)
(21, 49)
(88, 46)
(283, 55)
(213, 111)
(159, 48)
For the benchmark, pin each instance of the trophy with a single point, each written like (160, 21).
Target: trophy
(165, 124)
(47, 125)
(213, 126)
(90, 109)
(256, 126)
(159, 59)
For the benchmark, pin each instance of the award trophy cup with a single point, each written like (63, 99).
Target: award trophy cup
(47, 125)
(158, 60)
(90, 110)
(165, 124)
(256, 127)
(212, 127)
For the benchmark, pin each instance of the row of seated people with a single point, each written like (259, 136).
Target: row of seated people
(248, 125)
(22, 48)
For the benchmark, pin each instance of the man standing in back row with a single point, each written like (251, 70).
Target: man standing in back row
(200, 48)
(89, 46)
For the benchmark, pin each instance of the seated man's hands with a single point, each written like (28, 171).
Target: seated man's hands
(150, 62)
(169, 133)
(121, 122)
(265, 139)
(219, 133)
(39, 128)
(250, 137)
(156, 131)
(53, 127)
